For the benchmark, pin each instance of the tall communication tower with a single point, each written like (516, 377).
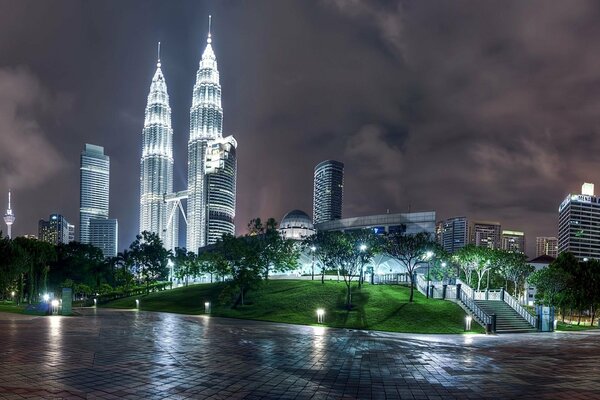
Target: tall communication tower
(9, 218)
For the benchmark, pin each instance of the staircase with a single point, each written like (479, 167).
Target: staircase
(507, 319)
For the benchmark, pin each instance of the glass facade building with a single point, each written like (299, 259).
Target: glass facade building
(93, 188)
(104, 235)
(453, 233)
(156, 164)
(328, 192)
(212, 165)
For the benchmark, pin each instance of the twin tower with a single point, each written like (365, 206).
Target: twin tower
(212, 165)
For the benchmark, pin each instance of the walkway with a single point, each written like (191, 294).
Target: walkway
(127, 354)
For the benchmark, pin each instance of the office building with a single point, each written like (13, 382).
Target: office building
(579, 224)
(211, 184)
(94, 177)
(104, 235)
(156, 164)
(545, 245)
(485, 234)
(328, 192)
(453, 233)
(513, 241)
(55, 230)
(408, 223)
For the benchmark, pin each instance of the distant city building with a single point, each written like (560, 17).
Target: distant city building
(30, 236)
(545, 245)
(538, 263)
(485, 234)
(453, 233)
(71, 228)
(9, 218)
(55, 230)
(328, 194)
(104, 235)
(513, 241)
(296, 225)
(93, 188)
(409, 223)
(221, 171)
(579, 224)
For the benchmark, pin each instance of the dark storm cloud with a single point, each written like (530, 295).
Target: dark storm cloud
(484, 109)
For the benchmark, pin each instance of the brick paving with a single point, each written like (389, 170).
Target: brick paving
(107, 354)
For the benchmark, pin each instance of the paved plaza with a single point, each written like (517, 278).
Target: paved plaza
(141, 355)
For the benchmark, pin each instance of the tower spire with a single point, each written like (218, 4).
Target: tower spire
(158, 62)
(209, 40)
(9, 218)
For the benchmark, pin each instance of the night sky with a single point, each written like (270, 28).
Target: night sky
(484, 109)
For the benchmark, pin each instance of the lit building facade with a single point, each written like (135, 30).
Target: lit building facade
(296, 225)
(94, 184)
(212, 165)
(485, 234)
(55, 230)
(453, 233)
(156, 164)
(104, 235)
(545, 245)
(328, 191)
(513, 241)
(408, 223)
(579, 224)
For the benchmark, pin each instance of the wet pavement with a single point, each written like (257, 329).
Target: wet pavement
(141, 355)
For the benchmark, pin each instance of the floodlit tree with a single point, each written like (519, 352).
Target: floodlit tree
(475, 259)
(410, 251)
(150, 257)
(275, 253)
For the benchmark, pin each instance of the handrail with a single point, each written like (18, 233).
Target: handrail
(514, 304)
(469, 302)
(421, 284)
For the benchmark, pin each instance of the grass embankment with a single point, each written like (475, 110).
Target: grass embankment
(567, 327)
(376, 307)
(12, 307)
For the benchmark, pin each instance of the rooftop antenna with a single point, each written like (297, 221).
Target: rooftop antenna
(158, 63)
(209, 40)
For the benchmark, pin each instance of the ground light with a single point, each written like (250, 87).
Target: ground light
(95, 302)
(468, 320)
(320, 316)
(207, 307)
(137, 304)
(55, 304)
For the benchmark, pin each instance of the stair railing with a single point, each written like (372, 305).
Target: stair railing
(514, 304)
(466, 297)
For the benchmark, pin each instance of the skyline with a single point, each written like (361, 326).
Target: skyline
(433, 118)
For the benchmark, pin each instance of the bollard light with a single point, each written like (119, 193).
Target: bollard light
(555, 324)
(54, 306)
(468, 320)
(320, 316)
(207, 307)
(137, 304)
(95, 302)
(12, 294)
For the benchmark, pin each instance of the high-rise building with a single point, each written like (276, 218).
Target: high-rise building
(9, 218)
(104, 235)
(579, 224)
(221, 167)
(545, 245)
(94, 188)
(211, 184)
(55, 230)
(453, 233)
(513, 241)
(485, 234)
(156, 164)
(328, 193)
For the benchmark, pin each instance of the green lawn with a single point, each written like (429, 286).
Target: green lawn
(566, 327)
(379, 307)
(12, 308)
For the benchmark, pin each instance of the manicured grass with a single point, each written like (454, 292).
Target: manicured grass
(566, 327)
(376, 307)
(12, 308)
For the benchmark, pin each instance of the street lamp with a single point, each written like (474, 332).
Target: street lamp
(428, 256)
(313, 249)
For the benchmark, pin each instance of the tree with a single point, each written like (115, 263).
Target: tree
(275, 253)
(38, 256)
(150, 257)
(476, 259)
(315, 245)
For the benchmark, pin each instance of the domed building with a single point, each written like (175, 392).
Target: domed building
(296, 225)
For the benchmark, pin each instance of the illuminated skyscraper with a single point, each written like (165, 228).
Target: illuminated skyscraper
(513, 241)
(579, 224)
(485, 234)
(453, 233)
(56, 230)
(93, 188)
(328, 195)
(546, 246)
(211, 160)
(9, 218)
(156, 165)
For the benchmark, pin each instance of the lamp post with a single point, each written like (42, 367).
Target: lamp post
(362, 248)
(428, 256)
(170, 264)
(312, 250)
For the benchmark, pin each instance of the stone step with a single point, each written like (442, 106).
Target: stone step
(507, 319)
